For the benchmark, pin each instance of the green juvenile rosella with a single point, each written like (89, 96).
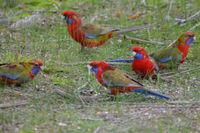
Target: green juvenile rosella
(172, 56)
(17, 73)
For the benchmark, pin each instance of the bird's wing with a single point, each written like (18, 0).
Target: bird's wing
(93, 31)
(167, 55)
(12, 70)
(117, 78)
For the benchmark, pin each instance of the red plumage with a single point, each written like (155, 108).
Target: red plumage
(78, 31)
(91, 35)
(142, 64)
(118, 75)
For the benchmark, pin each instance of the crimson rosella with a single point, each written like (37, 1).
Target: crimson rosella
(172, 56)
(19, 72)
(142, 64)
(118, 81)
(90, 35)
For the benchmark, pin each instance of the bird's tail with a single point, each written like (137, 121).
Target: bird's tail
(150, 92)
(132, 29)
(121, 60)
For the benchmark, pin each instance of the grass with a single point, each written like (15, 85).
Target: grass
(50, 42)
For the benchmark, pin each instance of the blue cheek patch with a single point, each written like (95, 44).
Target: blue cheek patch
(69, 21)
(189, 41)
(138, 56)
(35, 70)
(95, 70)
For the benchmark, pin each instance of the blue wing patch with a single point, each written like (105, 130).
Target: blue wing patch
(115, 85)
(165, 60)
(90, 36)
(12, 77)
(107, 83)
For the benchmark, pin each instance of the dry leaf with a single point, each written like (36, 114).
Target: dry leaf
(119, 13)
(135, 16)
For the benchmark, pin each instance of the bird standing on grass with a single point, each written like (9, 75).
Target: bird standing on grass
(90, 35)
(19, 72)
(142, 64)
(118, 81)
(172, 56)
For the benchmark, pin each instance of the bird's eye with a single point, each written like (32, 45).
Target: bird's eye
(94, 65)
(36, 64)
(190, 35)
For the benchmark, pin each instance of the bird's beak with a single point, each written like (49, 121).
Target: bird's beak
(89, 69)
(62, 17)
(42, 67)
(194, 38)
(134, 53)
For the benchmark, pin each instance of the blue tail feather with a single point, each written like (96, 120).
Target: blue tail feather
(149, 92)
(121, 60)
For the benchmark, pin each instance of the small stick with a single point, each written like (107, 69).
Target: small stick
(93, 119)
(133, 29)
(168, 13)
(194, 27)
(78, 91)
(60, 92)
(142, 40)
(42, 11)
(181, 21)
(98, 129)
(183, 102)
(14, 104)
(186, 71)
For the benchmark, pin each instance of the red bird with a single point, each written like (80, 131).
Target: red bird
(142, 64)
(89, 35)
(118, 81)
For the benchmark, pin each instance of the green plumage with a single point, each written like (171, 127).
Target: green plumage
(18, 70)
(118, 78)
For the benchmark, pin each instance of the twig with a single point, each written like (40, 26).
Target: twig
(186, 71)
(142, 40)
(168, 13)
(133, 29)
(14, 104)
(42, 11)
(183, 102)
(181, 21)
(168, 73)
(78, 89)
(60, 92)
(98, 129)
(194, 27)
(94, 119)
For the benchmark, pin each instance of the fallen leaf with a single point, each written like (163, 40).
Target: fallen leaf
(135, 16)
(119, 13)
